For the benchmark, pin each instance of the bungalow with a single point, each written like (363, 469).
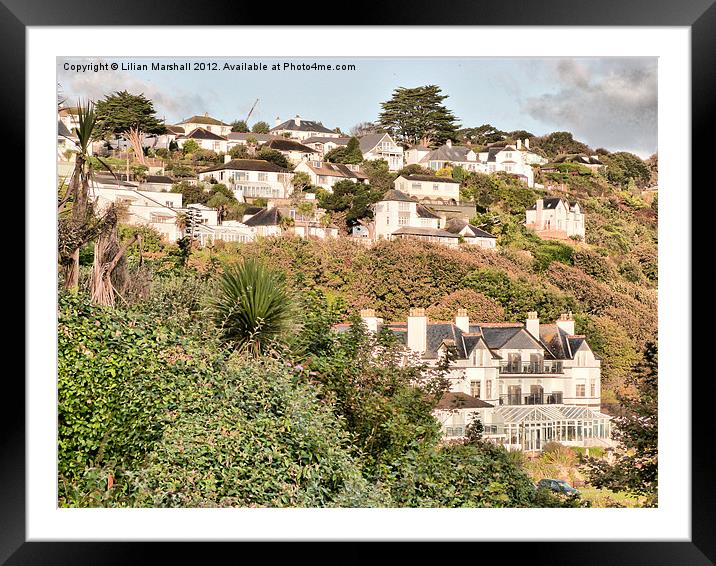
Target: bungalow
(157, 183)
(451, 155)
(382, 146)
(324, 174)
(207, 123)
(528, 383)
(251, 178)
(301, 129)
(591, 161)
(323, 144)
(555, 218)
(205, 139)
(294, 151)
(471, 234)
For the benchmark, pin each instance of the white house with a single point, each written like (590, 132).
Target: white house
(398, 216)
(301, 129)
(66, 142)
(324, 174)
(429, 188)
(471, 234)
(251, 178)
(205, 139)
(163, 141)
(323, 144)
(382, 146)
(242, 138)
(555, 218)
(207, 123)
(529, 383)
(415, 154)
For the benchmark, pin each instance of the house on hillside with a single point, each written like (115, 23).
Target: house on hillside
(555, 218)
(301, 129)
(293, 150)
(323, 144)
(205, 139)
(415, 154)
(528, 383)
(251, 178)
(429, 188)
(591, 161)
(471, 234)
(382, 146)
(243, 138)
(325, 174)
(157, 183)
(163, 141)
(205, 122)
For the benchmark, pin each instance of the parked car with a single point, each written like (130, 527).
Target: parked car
(560, 486)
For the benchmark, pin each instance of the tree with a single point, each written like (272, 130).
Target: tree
(190, 146)
(558, 143)
(239, 151)
(260, 128)
(352, 198)
(417, 116)
(192, 194)
(253, 310)
(349, 153)
(635, 469)
(129, 116)
(624, 167)
(274, 156)
(239, 126)
(221, 201)
(379, 175)
(301, 181)
(482, 135)
(364, 128)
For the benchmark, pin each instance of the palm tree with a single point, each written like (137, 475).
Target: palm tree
(76, 227)
(254, 309)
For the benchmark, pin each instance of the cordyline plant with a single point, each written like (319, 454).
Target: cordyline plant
(254, 309)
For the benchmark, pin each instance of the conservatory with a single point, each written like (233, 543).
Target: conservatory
(529, 428)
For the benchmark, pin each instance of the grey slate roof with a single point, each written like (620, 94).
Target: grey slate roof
(265, 217)
(159, 179)
(445, 153)
(457, 400)
(394, 194)
(422, 231)
(456, 225)
(369, 141)
(62, 130)
(285, 144)
(306, 126)
(202, 134)
(325, 139)
(203, 120)
(548, 203)
(247, 165)
(425, 212)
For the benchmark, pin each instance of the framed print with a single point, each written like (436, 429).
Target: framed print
(402, 280)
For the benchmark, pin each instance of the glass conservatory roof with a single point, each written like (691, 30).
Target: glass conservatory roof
(548, 413)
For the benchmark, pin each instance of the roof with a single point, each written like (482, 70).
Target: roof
(456, 225)
(247, 165)
(202, 134)
(63, 131)
(448, 153)
(285, 144)
(112, 181)
(517, 414)
(425, 212)
(205, 119)
(247, 135)
(265, 217)
(305, 126)
(324, 139)
(159, 179)
(394, 194)
(369, 141)
(548, 203)
(430, 178)
(457, 400)
(579, 158)
(421, 231)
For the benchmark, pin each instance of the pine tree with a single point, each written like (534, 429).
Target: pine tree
(418, 116)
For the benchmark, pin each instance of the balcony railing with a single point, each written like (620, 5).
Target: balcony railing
(531, 367)
(532, 399)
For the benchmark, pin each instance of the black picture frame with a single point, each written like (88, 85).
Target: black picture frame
(16, 15)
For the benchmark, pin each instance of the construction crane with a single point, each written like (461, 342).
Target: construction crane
(251, 111)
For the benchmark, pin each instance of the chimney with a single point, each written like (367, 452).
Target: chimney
(462, 321)
(227, 158)
(370, 320)
(448, 143)
(527, 143)
(566, 323)
(417, 330)
(297, 119)
(538, 216)
(519, 144)
(532, 324)
(278, 121)
(206, 114)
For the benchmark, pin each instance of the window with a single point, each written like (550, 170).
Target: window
(436, 187)
(241, 176)
(416, 187)
(580, 390)
(403, 219)
(593, 389)
(488, 389)
(403, 206)
(263, 177)
(475, 389)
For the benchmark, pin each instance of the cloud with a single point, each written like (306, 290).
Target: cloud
(609, 103)
(93, 86)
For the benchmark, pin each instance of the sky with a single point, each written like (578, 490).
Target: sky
(608, 102)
